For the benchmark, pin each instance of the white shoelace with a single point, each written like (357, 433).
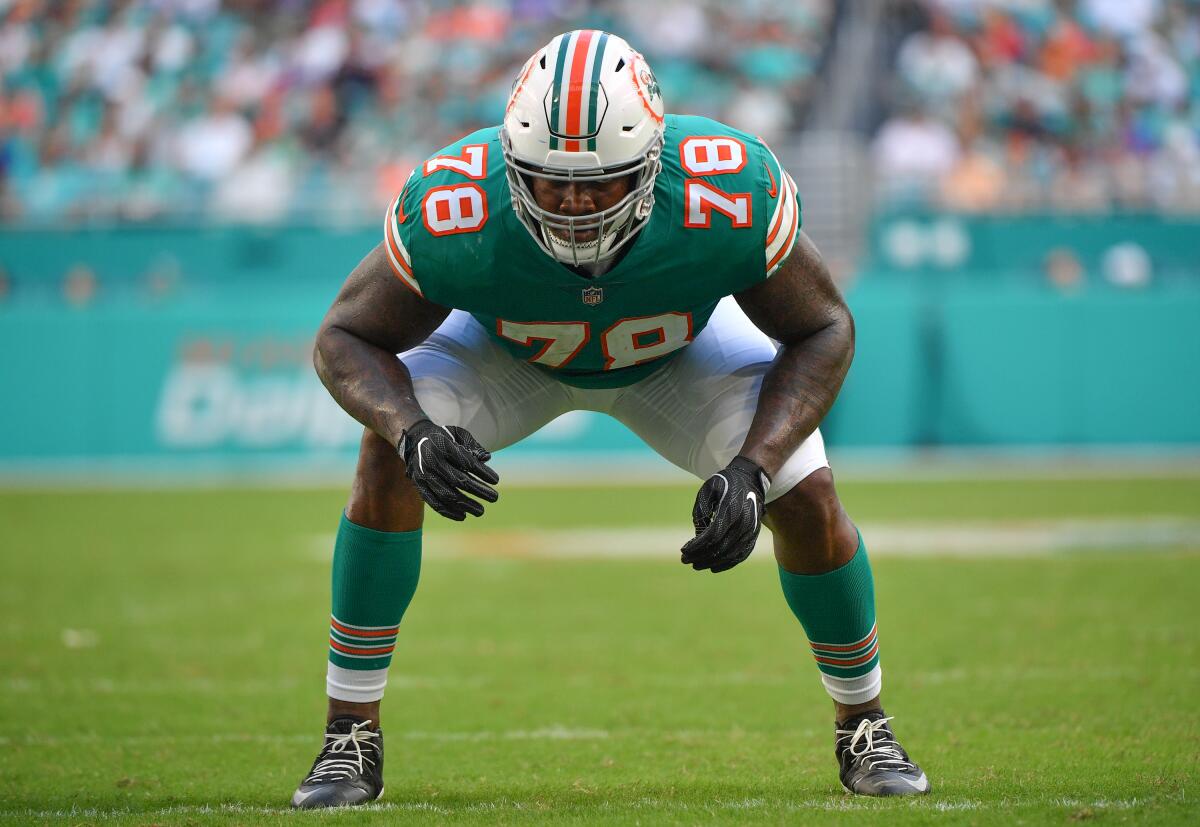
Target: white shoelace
(340, 764)
(879, 747)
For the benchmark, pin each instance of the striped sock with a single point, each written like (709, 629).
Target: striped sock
(837, 610)
(375, 575)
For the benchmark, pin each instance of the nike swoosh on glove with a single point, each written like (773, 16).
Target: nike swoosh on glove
(446, 464)
(727, 516)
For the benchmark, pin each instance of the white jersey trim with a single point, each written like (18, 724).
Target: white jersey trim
(782, 231)
(397, 253)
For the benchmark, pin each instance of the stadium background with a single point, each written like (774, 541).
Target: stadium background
(1010, 198)
(1007, 190)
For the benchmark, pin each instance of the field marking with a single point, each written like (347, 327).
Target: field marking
(708, 680)
(548, 733)
(1036, 673)
(627, 468)
(995, 539)
(80, 638)
(211, 686)
(835, 802)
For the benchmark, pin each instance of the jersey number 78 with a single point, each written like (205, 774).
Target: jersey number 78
(625, 343)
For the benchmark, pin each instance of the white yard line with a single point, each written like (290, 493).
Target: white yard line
(832, 803)
(1021, 675)
(548, 733)
(1026, 537)
(209, 686)
(625, 468)
(1015, 538)
(707, 680)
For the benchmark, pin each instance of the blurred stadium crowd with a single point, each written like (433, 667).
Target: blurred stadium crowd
(272, 111)
(252, 111)
(1019, 105)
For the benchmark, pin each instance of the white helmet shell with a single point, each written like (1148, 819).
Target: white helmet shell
(586, 107)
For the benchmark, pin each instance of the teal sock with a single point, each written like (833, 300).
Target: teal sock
(837, 611)
(375, 575)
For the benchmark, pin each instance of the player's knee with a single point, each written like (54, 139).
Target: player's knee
(379, 463)
(382, 497)
(812, 502)
(812, 529)
(377, 448)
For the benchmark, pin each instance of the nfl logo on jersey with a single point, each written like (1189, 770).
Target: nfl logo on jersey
(593, 295)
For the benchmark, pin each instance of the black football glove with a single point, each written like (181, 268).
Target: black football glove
(727, 516)
(443, 463)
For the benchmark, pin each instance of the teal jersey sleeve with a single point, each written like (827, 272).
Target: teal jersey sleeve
(440, 231)
(736, 198)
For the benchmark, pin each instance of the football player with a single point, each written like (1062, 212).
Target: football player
(593, 253)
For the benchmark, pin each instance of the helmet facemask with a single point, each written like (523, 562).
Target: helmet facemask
(615, 226)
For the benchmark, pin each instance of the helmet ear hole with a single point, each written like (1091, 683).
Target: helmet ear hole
(542, 62)
(620, 64)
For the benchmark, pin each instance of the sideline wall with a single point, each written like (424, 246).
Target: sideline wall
(195, 350)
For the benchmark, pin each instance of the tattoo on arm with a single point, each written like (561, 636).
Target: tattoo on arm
(800, 307)
(373, 318)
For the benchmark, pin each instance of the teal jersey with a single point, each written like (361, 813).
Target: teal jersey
(725, 217)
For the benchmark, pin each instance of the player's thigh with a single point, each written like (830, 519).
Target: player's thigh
(696, 410)
(461, 377)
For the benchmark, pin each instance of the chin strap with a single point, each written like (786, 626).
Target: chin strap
(596, 256)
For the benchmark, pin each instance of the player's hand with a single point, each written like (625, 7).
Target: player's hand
(446, 464)
(727, 516)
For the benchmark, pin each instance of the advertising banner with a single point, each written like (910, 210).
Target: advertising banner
(191, 352)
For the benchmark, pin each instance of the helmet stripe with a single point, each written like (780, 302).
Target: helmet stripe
(579, 64)
(594, 101)
(589, 60)
(564, 87)
(556, 97)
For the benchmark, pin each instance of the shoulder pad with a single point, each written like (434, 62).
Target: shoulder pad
(434, 227)
(735, 174)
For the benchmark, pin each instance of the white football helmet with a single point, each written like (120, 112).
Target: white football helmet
(585, 107)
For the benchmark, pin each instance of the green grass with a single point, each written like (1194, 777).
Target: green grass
(1033, 690)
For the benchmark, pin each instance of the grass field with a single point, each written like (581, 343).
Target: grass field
(163, 662)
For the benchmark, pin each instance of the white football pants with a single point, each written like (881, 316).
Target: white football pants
(694, 411)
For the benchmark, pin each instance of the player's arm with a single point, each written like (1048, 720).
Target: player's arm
(801, 308)
(373, 318)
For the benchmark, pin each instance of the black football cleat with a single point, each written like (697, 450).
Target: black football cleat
(348, 770)
(872, 760)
